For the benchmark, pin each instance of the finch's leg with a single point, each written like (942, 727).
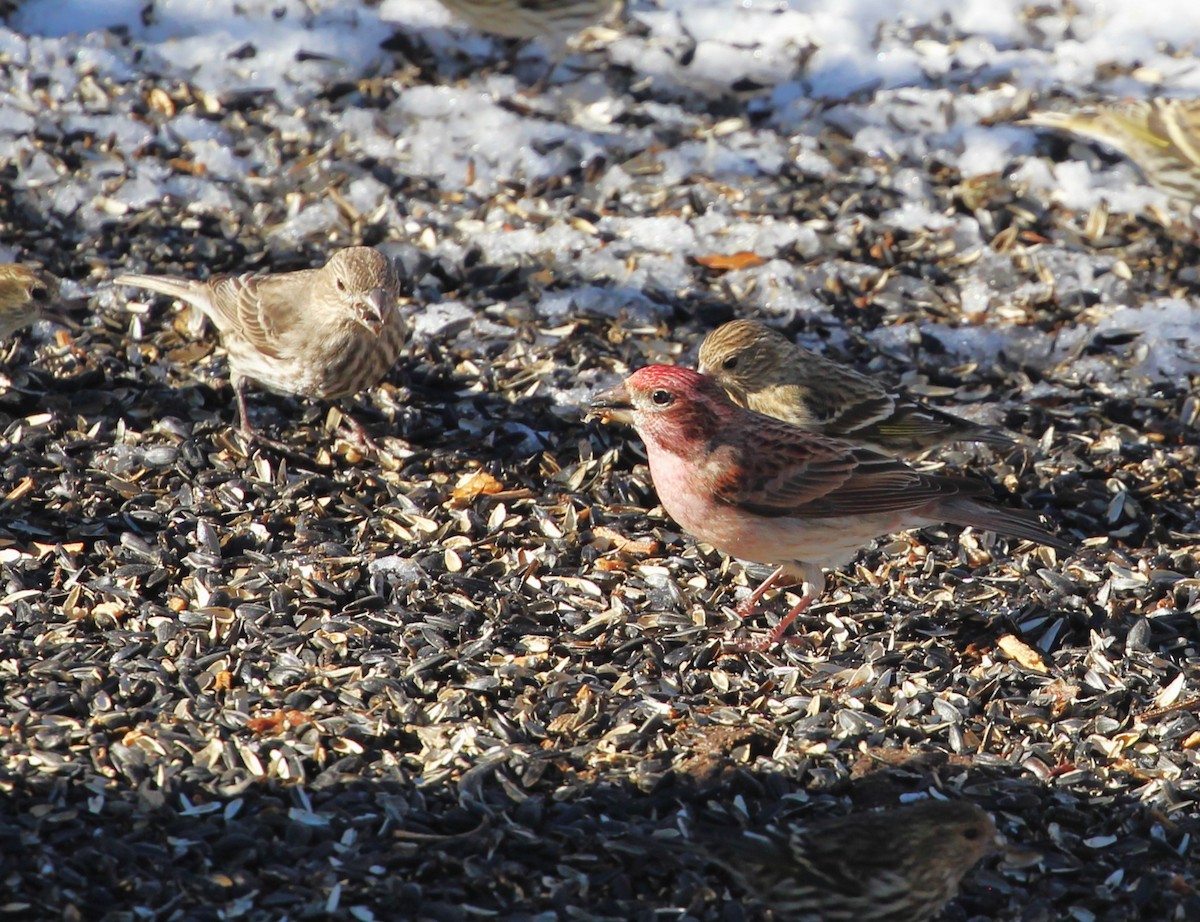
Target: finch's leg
(813, 584)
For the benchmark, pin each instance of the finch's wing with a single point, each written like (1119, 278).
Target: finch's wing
(262, 309)
(785, 470)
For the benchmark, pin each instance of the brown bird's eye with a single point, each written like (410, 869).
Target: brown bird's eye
(971, 834)
(662, 398)
(341, 286)
(38, 292)
(730, 363)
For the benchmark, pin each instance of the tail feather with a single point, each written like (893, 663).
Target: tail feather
(183, 289)
(1016, 523)
(994, 436)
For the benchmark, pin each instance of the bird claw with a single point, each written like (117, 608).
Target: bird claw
(252, 438)
(764, 642)
(356, 434)
(746, 608)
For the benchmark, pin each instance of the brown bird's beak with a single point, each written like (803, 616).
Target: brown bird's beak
(370, 309)
(613, 404)
(62, 312)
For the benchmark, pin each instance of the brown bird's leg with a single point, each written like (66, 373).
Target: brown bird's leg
(253, 437)
(557, 52)
(244, 426)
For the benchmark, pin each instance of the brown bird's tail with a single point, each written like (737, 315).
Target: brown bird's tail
(1016, 523)
(183, 289)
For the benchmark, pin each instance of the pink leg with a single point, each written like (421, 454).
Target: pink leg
(747, 608)
(781, 628)
(813, 583)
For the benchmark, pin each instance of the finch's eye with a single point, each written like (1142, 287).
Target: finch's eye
(970, 834)
(38, 293)
(730, 363)
(662, 398)
(341, 286)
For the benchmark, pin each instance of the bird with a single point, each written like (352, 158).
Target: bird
(324, 333)
(553, 20)
(763, 370)
(1161, 137)
(764, 490)
(897, 865)
(26, 295)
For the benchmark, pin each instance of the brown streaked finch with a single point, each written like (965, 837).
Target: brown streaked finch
(1160, 136)
(324, 333)
(898, 865)
(26, 295)
(764, 490)
(763, 370)
(553, 20)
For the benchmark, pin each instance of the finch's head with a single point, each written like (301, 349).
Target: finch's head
(934, 842)
(908, 862)
(954, 834)
(365, 282)
(744, 356)
(668, 405)
(25, 295)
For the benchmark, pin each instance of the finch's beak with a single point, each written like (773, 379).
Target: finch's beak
(61, 312)
(613, 404)
(369, 310)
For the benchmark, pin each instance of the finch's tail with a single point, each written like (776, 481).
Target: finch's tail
(1016, 523)
(184, 289)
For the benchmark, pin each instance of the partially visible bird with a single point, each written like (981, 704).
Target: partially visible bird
(26, 295)
(1160, 136)
(898, 865)
(324, 333)
(764, 490)
(556, 21)
(764, 371)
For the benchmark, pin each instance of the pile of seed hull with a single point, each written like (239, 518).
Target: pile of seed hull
(478, 673)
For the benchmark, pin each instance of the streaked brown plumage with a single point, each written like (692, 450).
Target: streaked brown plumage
(26, 295)
(900, 865)
(1160, 136)
(324, 333)
(764, 371)
(553, 20)
(761, 489)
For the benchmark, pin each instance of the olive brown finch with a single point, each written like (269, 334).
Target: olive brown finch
(764, 490)
(1160, 136)
(325, 333)
(763, 370)
(898, 865)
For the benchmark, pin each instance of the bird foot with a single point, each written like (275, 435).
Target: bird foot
(252, 438)
(354, 433)
(777, 635)
(764, 642)
(350, 429)
(746, 608)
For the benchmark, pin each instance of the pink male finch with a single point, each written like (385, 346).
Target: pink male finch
(763, 370)
(761, 489)
(900, 865)
(324, 333)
